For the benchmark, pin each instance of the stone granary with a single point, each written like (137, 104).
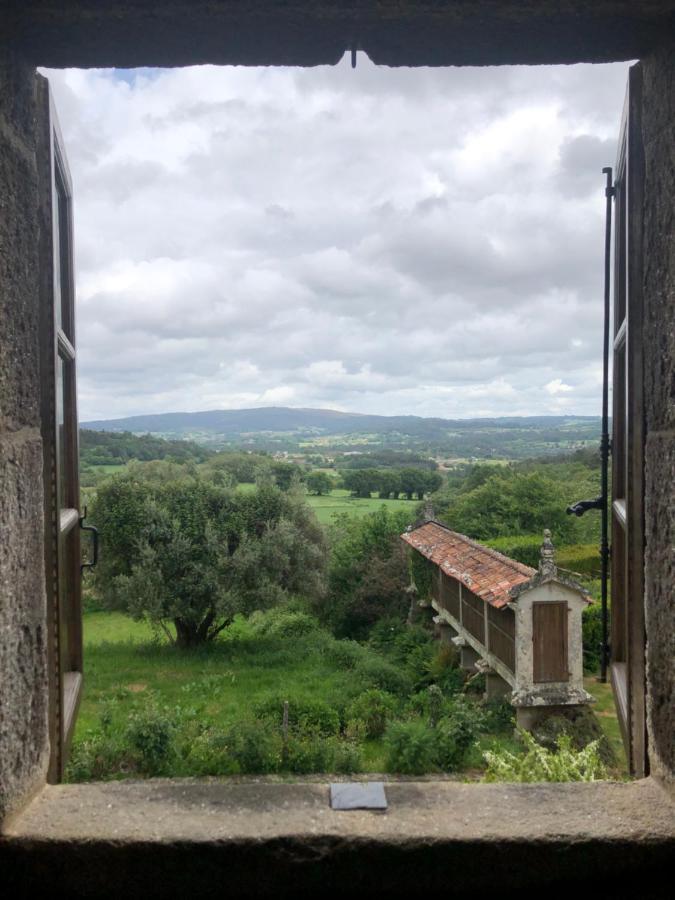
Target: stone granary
(518, 625)
(170, 839)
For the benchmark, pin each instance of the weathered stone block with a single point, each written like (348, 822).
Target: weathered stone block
(23, 641)
(659, 606)
(19, 236)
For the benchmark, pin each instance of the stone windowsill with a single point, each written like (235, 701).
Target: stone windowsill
(212, 837)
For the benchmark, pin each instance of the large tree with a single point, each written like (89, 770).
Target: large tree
(187, 555)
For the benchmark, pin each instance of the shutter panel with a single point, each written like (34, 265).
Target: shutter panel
(627, 638)
(59, 435)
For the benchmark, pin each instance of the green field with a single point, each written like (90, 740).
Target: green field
(339, 501)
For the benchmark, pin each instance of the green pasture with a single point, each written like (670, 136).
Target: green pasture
(338, 501)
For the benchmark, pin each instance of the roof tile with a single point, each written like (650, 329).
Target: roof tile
(490, 574)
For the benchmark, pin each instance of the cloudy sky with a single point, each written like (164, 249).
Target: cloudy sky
(423, 241)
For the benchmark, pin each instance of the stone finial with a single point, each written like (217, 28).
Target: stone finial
(547, 566)
(428, 511)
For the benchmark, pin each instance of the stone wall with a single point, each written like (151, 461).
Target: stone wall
(312, 32)
(23, 668)
(72, 41)
(658, 122)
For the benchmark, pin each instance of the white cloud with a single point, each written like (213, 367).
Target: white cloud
(395, 241)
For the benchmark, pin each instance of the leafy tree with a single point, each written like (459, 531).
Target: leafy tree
(190, 554)
(244, 468)
(389, 484)
(368, 572)
(510, 503)
(413, 481)
(361, 482)
(319, 483)
(285, 474)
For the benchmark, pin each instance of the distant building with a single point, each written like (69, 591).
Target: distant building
(520, 626)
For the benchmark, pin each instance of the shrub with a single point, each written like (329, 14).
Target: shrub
(345, 654)
(208, 754)
(370, 712)
(305, 715)
(150, 735)
(347, 758)
(385, 634)
(456, 732)
(381, 674)
(285, 623)
(541, 764)
(499, 715)
(305, 755)
(255, 746)
(410, 747)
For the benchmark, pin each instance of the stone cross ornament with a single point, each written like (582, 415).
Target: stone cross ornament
(547, 567)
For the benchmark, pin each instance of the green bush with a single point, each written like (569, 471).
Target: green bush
(381, 674)
(306, 715)
(284, 623)
(500, 716)
(369, 714)
(305, 755)
(385, 633)
(541, 764)
(345, 654)
(456, 732)
(255, 746)
(347, 759)
(151, 734)
(209, 754)
(410, 748)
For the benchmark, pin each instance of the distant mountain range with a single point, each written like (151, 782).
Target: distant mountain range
(283, 419)
(235, 424)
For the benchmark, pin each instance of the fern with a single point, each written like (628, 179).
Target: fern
(540, 764)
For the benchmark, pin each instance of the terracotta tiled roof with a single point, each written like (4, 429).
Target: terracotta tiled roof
(487, 573)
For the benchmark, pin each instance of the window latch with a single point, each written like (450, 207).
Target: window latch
(582, 506)
(94, 534)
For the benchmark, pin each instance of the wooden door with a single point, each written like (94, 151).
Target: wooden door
(549, 642)
(59, 435)
(627, 633)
